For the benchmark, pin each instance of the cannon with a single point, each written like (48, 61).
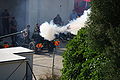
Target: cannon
(4, 44)
(38, 43)
(8, 35)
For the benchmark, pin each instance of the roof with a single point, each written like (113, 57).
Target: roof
(7, 54)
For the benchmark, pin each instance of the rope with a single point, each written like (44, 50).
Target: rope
(31, 71)
(24, 76)
(14, 71)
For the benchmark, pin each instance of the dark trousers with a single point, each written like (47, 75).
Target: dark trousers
(13, 40)
(13, 37)
(5, 27)
(27, 40)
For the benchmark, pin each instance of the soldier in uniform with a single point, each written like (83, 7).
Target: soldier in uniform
(13, 29)
(5, 21)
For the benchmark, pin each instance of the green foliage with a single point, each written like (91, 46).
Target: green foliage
(94, 54)
(104, 34)
(80, 61)
(72, 58)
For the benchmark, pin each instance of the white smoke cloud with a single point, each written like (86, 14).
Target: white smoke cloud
(48, 30)
(77, 24)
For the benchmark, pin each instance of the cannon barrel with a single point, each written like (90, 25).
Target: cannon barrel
(8, 35)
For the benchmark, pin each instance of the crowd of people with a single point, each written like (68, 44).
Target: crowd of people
(9, 24)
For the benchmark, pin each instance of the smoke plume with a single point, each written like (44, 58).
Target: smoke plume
(77, 24)
(48, 30)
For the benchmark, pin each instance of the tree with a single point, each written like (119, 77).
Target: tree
(94, 54)
(80, 61)
(104, 31)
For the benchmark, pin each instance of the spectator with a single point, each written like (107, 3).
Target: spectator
(36, 36)
(74, 15)
(13, 29)
(26, 34)
(5, 21)
(36, 28)
(57, 20)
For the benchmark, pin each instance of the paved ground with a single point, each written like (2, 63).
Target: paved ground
(42, 62)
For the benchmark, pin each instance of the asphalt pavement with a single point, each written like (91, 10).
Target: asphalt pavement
(42, 62)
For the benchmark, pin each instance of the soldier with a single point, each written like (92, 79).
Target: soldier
(73, 15)
(57, 20)
(13, 29)
(37, 28)
(5, 21)
(26, 34)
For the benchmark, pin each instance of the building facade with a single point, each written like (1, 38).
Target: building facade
(36, 11)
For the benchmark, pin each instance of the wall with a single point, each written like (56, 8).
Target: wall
(48, 9)
(37, 11)
(40, 11)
